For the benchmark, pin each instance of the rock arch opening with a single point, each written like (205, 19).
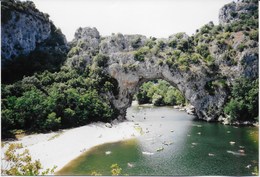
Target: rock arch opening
(159, 92)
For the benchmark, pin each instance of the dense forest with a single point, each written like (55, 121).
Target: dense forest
(53, 95)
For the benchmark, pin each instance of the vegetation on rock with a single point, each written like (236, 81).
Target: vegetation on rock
(85, 88)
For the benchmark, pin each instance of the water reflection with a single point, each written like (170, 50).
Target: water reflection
(173, 144)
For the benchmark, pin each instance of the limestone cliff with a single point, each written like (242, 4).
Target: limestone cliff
(236, 10)
(202, 67)
(25, 30)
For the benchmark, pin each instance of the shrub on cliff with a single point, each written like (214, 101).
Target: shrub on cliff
(140, 54)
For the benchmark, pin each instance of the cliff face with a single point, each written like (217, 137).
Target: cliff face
(236, 10)
(202, 67)
(25, 30)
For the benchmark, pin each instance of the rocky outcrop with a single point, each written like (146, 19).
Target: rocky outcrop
(24, 29)
(29, 39)
(236, 10)
(130, 71)
(202, 66)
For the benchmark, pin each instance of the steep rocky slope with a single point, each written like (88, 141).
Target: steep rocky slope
(202, 66)
(29, 34)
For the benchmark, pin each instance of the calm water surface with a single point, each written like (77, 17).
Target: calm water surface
(187, 147)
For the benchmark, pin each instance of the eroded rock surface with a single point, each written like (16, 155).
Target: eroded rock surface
(25, 29)
(135, 59)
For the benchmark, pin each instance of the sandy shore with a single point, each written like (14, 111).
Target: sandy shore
(59, 148)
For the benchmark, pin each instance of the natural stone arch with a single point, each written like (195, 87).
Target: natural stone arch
(134, 59)
(191, 86)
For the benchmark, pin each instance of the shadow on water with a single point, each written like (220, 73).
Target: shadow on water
(174, 144)
(100, 158)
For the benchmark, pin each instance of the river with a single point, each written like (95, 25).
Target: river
(173, 143)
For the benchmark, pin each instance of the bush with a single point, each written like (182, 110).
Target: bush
(241, 47)
(136, 43)
(50, 101)
(183, 45)
(157, 100)
(243, 104)
(236, 109)
(52, 122)
(253, 35)
(101, 60)
(139, 55)
(203, 50)
(173, 43)
(150, 43)
(161, 44)
(21, 164)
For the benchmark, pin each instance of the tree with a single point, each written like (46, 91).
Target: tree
(17, 163)
(243, 104)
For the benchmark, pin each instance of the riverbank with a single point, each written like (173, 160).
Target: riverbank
(59, 148)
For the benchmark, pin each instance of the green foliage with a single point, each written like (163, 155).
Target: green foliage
(179, 35)
(115, 170)
(161, 44)
(157, 100)
(150, 43)
(74, 51)
(241, 47)
(36, 61)
(213, 85)
(101, 60)
(160, 62)
(243, 104)
(48, 54)
(183, 45)
(50, 101)
(94, 173)
(203, 50)
(140, 54)
(159, 93)
(174, 97)
(195, 58)
(17, 163)
(136, 43)
(173, 43)
(254, 35)
(52, 122)
(229, 57)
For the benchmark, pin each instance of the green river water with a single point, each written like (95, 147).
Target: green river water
(190, 147)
